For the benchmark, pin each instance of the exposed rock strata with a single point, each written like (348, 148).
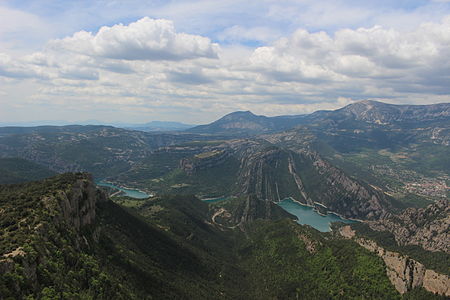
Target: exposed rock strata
(74, 208)
(403, 272)
(78, 207)
(263, 172)
(426, 227)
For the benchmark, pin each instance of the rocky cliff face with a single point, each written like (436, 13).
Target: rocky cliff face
(275, 173)
(346, 195)
(257, 173)
(403, 272)
(426, 227)
(60, 215)
(78, 205)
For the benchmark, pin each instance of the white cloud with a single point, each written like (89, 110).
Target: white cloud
(239, 33)
(145, 39)
(130, 70)
(371, 56)
(11, 68)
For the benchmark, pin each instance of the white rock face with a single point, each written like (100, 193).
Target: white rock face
(403, 272)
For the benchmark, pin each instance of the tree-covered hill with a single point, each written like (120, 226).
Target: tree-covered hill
(16, 170)
(61, 238)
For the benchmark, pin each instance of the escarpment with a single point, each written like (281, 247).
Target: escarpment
(404, 272)
(78, 204)
(426, 227)
(343, 194)
(54, 216)
(275, 173)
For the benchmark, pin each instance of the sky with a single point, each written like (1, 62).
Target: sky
(137, 61)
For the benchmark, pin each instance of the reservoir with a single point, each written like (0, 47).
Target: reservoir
(307, 215)
(137, 194)
(212, 200)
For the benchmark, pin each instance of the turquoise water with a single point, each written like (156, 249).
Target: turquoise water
(212, 200)
(127, 192)
(307, 215)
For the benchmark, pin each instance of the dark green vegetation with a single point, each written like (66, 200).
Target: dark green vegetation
(15, 170)
(293, 262)
(170, 247)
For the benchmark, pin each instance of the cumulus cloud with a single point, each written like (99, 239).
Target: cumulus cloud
(14, 69)
(146, 68)
(371, 56)
(145, 39)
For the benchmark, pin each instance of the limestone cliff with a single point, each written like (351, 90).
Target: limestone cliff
(403, 272)
(55, 213)
(275, 173)
(426, 227)
(78, 205)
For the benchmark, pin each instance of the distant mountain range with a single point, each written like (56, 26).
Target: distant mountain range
(158, 126)
(150, 126)
(247, 123)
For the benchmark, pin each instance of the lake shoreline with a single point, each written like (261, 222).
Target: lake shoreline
(124, 189)
(324, 206)
(310, 215)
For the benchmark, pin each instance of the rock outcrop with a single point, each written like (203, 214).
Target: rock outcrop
(403, 272)
(65, 212)
(426, 227)
(78, 206)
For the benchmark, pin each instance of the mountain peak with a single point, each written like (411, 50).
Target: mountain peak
(384, 113)
(241, 113)
(366, 103)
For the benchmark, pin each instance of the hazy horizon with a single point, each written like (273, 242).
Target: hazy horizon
(125, 124)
